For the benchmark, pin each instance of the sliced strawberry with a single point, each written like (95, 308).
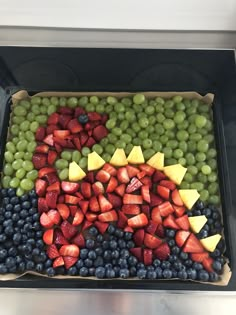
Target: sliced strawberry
(139, 237)
(105, 205)
(69, 250)
(193, 245)
(42, 205)
(45, 171)
(39, 160)
(52, 156)
(158, 176)
(58, 148)
(141, 174)
(58, 262)
(169, 222)
(73, 210)
(63, 210)
(129, 199)
(91, 125)
(65, 110)
(64, 120)
(79, 240)
(108, 216)
(137, 252)
(52, 251)
(151, 228)
(71, 199)
(150, 241)
(40, 187)
(120, 190)
(42, 148)
(199, 257)
(79, 195)
(90, 177)
(104, 119)
(52, 178)
(69, 261)
(69, 187)
(84, 205)
(94, 205)
(102, 176)
(59, 238)
(50, 129)
(160, 231)
(132, 171)
(54, 216)
(78, 218)
(131, 209)
(134, 185)
(168, 184)
(122, 175)
(128, 229)
(162, 252)
(163, 192)
(90, 142)
(48, 236)
(181, 237)
(145, 193)
(156, 215)
(100, 132)
(79, 111)
(83, 136)
(179, 211)
(115, 200)
(54, 187)
(86, 225)
(183, 222)
(74, 126)
(49, 140)
(207, 264)
(122, 220)
(77, 143)
(101, 226)
(45, 221)
(61, 134)
(53, 119)
(98, 188)
(68, 230)
(146, 210)
(113, 183)
(90, 216)
(40, 134)
(155, 200)
(138, 221)
(176, 198)
(147, 181)
(147, 257)
(109, 169)
(166, 208)
(94, 116)
(147, 168)
(51, 199)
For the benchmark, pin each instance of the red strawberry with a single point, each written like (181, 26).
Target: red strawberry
(120, 190)
(179, 211)
(65, 110)
(79, 111)
(181, 237)
(104, 119)
(74, 126)
(45, 171)
(138, 221)
(79, 240)
(166, 208)
(91, 216)
(69, 250)
(49, 140)
(158, 176)
(145, 193)
(101, 226)
(61, 199)
(146, 210)
(58, 262)
(71, 199)
(109, 169)
(51, 199)
(59, 238)
(207, 264)
(104, 204)
(58, 148)
(199, 257)
(156, 215)
(151, 241)
(48, 236)
(90, 177)
(169, 222)
(52, 156)
(134, 185)
(139, 237)
(193, 245)
(162, 252)
(54, 216)
(132, 199)
(141, 174)
(102, 176)
(160, 231)
(108, 216)
(40, 134)
(147, 168)
(69, 187)
(42, 205)
(83, 136)
(155, 200)
(147, 181)
(52, 251)
(100, 132)
(183, 222)
(63, 210)
(53, 119)
(54, 187)
(115, 200)
(64, 120)
(84, 205)
(94, 116)
(94, 205)
(128, 229)
(68, 230)
(151, 228)
(122, 175)
(147, 257)
(137, 252)
(122, 220)
(91, 125)
(163, 192)
(176, 198)
(42, 148)
(61, 134)
(69, 261)
(40, 187)
(73, 210)
(50, 129)
(113, 183)
(98, 188)
(45, 221)
(168, 184)
(77, 143)
(90, 142)
(132, 171)
(78, 218)
(131, 209)
(39, 160)
(52, 178)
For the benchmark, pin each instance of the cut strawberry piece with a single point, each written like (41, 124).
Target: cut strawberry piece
(65, 110)
(53, 119)
(52, 156)
(169, 222)
(158, 176)
(129, 199)
(77, 143)
(59, 238)
(122, 220)
(207, 264)
(78, 218)
(137, 221)
(51, 199)
(69, 250)
(52, 178)
(132, 171)
(113, 183)
(49, 140)
(61, 134)
(120, 190)
(145, 193)
(42, 205)
(160, 231)
(71, 199)
(156, 215)
(183, 222)
(98, 188)
(46, 170)
(48, 236)
(134, 185)
(104, 204)
(91, 216)
(100, 132)
(52, 251)
(151, 228)
(90, 177)
(122, 175)
(58, 148)
(54, 216)
(115, 200)
(141, 174)
(83, 136)
(68, 230)
(109, 216)
(104, 119)
(166, 208)
(128, 229)
(146, 210)
(64, 120)
(74, 126)
(102, 176)
(147, 168)
(163, 192)
(179, 211)
(79, 240)
(42, 148)
(91, 125)
(162, 252)
(51, 128)
(147, 181)
(94, 116)
(181, 237)
(61, 142)
(58, 262)
(193, 245)
(45, 221)
(109, 169)
(40, 134)
(73, 210)
(39, 160)
(69, 261)
(137, 252)
(176, 198)
(79, 111)
(86, 225)
(69, 187)
(90, 142)
(151, 241)
(155, 200)
(139, 237)
(94, 205)
(63, 210)
(147, 257)
(79, 195)
(84, 205)
(101, 226)
(131, 209)
(54, 187)
(199, 257)
(168, 184)
(40, 187)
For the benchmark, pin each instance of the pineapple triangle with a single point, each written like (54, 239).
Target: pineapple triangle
(157, 161)
(119, 158)
(75, 172)
(136, 156)
(94, 161)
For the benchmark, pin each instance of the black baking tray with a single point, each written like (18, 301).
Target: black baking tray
(61, 69)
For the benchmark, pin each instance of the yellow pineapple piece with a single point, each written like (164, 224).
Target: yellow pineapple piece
(210, 243)
(75, 172)
(196, 223)
(157, 161)
(189, 197)
(175, 173)
(119, 158)
(94, 161)
(136, 156)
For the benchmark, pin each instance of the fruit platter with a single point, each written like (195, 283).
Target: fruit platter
(112, 186)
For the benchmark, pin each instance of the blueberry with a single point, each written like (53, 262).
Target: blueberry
(210, 221)
(35, 252)
(99, 238)
(111, 229)
(98, 251)
(91, 271)
(48, 263)
(24, 237)
(182, 274)
(20, 223)
(27, 249)
(197, 266)
(165, 264)
(206, 227)
(32, 194)
(16, 238)
(171, 243)
(23, 214)
(88, 262)
(2, 238)
(15, 217)
(141, 273)
(192, 273)
(83, 119)
(80, 264)
(39, 267)
(206, 212)
(122, 262)
(36, 217)
(188, 263)
(128, 236)
(9, 230)
(8, 215)
(215, 215)
(30, 257)
(92, 254)
(26, 205)
(105, 244)
(98, 262)
(159, 272)
(117, 270)
(203, 275)
(151, 275)
(213, 277)
(218, 226)
(12, 251)
(34, 202)
(174, 273)
(124, 273)
(4, 192)
(10, 262)
(93, 231)
(221, 245)
(124, 253)
(9, 207)
(72, 271)
(36, 226)
(132, 261)
(17, 208)
(113, 244)
(3, 269)
(18, 259)
(84, 253)
(216, 253)
(200, 204)
(110, 273)
(130, 244)
(216, 265)
(121, 243)
(197, 212)
(7, 223)
(115, 254)
(107, 255)
(140, 266)
(6, 201)
(175, 250)
(183, 255)
(150, 268)
(3, 254)
(156, 262)
(30, 265)
(8, 244)
(83, 272)
(21, 267)
(178, 266)
(167, 273)
(24, 198)
(42, 256)
(170, 233)
(39, 234)
(51, 272)
(30, 241)
(2, 219)
(119, 233)
(173, 258)
(12, 269)
(202, 234)
(2, 210)
(29, 220)
(100, 272)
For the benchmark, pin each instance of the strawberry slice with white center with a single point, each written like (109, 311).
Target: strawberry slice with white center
(181, 237)
(98, 188)
(58, 262)
(115, 200)
(168, 184)
(164, 192)
(132, 199)
(94, 205)
(138, 237)
(137, 252)
(48, 236)
(138, 221)
(193, 245)
(46, 221)
(54, 187)
(156, 215)
(40, 187)
(122, 175)
(120, 190)
(131, 209)
(63, 210)
(183, 222)
(68, 230)
(151, 228)
(52, 251)
(103, 176)
(101, 226)
(104, 204)
(158, 176)
(78, 217)
(166, 209)
(162, 252)
(69, 261)
(69, 187)
(170, 222)
(86, 190)
(176, 198)
(84, 204)
(199, 257)
(110, 169)
(113, 183)
(134, 185)
(147, 168)
(54, 216)
(147, 256)
(179, 211)
(69, 250)
(151, 241)
(79, 240)
(145, 192)
(109, 216)
(132, 171)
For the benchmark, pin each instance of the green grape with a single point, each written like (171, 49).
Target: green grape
(127, 138)
(54, 100)
(200, 156)
(204, 195)
(138, 99)
(21, 135)
(143, 134)
(192, 129)
(169, 113)
(204, 108)
(130, 116)
(104, 142)
(173, 144)
(192, 146)
(32, 175)
(11, 147)
(170, 134)
(148, 153)
(20, 173)
(43, 109)
(212, 163)
(197, 185)
(184, 185)
(20, 192)
(164, 139)
(110, 149)
(14, 183)
(214, 199)
(41, 119)
(76, 156)
(15, 140)
(18, 119)
(120, 144)
(35, 109)
(119, 108)
(26, 184)
(113, 115)
(109, 109)
(179, 117)
(199, 165)
(141, 115)
(19, 155)
(83, 162)
(28, 166)
(211, 153)
(112, 100)
(106, 157)
(31, 117)
(212, 177)
(202, 178)
(94, 100)
(34, 126)
(124, 125)
(160, 100)
(183, 126)
(192, 170)
(209, 125)
(61, 164)
(200, 121)
(15, 130)
(182, 135)
(147, 143)
(178, 153)
(100, 108)
(29, 136)
(195, 103)
(168, 124)
(85, 151)
(116, 131)
(9, 158)
(202, 131)
(160, 108)
(160, 118)
(45, 101)
(182, 161)
(64, 174)
(170, 161)
(19, 110)
(126, 101)
(188, 177)
(90, 107)
(191, 110)
(31, 146)
(51, 109)
(128, 148)
(180, 106)
(187, 103)
(177, 99)
(66, 155)
(169, 104)
(167, 152)
(143, 122)
(183, 146)
(25, 104)
(17, 164)
(152, 103)
(8, 169)
(157, 146)
(206, 170)
(153, 136)
(159, 129)
(190, 158)
(83, 101)
(72, 102)
(137, 108)
(150, 129)
(135, 127)
(213, 188)
(202, 146)
(22, 145)
(6, 181)
(35, 100)
(150, 110)
(209, 138)
(28, 156)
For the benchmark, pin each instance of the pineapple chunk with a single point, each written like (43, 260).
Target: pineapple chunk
(196, 223)
(175, 173)
(119, 158)
(189, 197)
(157, 161)
(94, 161)
(210, 243)
(75, 172)
(136, 156)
